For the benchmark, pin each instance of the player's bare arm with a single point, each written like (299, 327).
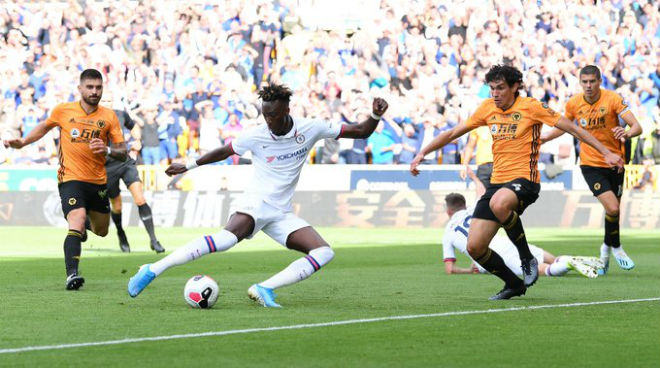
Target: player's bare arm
(218, 154)
(552, 134)
(438, 142)
(611, 158)
(451, 268)
(365, 128)
(118, 151)
(622, 134)
(479, 186)
(467, 155)
(35, 134)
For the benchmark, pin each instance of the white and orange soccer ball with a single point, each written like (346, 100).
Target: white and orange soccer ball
(201, 291)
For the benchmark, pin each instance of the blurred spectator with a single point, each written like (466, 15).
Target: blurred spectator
(648, 179)
(150, 141)
(409, 144)
(381, 144)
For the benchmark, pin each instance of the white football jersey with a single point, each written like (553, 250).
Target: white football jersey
(278, 160)
(455, 238)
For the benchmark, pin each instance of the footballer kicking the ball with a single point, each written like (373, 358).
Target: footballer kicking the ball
(279, 150)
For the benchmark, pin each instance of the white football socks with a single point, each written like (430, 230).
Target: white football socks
(558, 268)
(605, 251)
(219, 242)
(300, 269)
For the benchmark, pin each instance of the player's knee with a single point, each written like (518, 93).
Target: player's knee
(612, 211)
(475, 251)
(322, 255)
(102, 232)
(499, 208)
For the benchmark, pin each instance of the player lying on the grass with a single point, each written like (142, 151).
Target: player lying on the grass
(455, 238)
(279, 150)
(515, 123)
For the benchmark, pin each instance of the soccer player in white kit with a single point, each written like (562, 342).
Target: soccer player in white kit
(279, 150)
(455, 238)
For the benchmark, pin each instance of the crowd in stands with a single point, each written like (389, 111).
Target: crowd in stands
(187, 71)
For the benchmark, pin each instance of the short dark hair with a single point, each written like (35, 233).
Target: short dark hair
(90, 74)
(510, 74)
(275, 92)
(455, 201)
(590, 70)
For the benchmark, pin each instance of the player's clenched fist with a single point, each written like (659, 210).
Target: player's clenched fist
(175, 169)
(14, 143)
(379, 106)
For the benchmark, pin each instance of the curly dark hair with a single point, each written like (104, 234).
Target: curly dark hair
(511, 75)
(275, 92)
(590, 70)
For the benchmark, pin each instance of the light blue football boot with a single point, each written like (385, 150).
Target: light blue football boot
(622, 259)
(140, 281)
(263, 296)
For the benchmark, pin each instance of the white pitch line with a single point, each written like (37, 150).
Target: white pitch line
(314, 325)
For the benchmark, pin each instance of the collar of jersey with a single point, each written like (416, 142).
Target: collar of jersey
(291, 134)
(515, 101)
(595, 102)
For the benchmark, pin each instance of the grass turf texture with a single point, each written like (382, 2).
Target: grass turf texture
(376, 273)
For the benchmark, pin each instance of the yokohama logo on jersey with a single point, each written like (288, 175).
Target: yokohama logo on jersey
(297, 154)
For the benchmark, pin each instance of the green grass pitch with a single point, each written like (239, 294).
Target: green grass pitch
(376, 273)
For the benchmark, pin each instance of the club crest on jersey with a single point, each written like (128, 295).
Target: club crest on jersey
(100, 124)
(300, 139)
(516, 116)
(602, 110)
(75, 133)
(583, 122)
(493, 129)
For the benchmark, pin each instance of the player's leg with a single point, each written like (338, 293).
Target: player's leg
(114, 170)
(611, 240)
(295, 234)
(135, 187)
(481, 233)
(115, 214)
(239, 227)
(73, 206)
(507, 204)
(99, 221)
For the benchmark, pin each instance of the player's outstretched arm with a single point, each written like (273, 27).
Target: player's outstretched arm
(35, 134)
(611, 158)
(467, 155)
(438, 142)
(554, 133)
(622, 134)
(479, 186)
(365, 128)
(218, 154)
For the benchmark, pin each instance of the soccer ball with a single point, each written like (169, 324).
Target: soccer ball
(201, 291)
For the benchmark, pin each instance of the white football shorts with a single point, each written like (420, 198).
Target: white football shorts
(274, 222)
